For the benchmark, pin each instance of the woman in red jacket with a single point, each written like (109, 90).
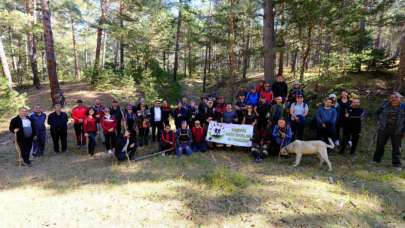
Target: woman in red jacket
(199, 143)
(109, 126)
(90, 130)
(79, 113)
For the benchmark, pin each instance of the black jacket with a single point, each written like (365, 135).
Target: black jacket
(58, 121)
(280, 89)
(15, 123)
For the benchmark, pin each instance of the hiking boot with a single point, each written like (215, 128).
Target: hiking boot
(398, 168)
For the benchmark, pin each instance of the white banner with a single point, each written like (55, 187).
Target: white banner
(231, 134)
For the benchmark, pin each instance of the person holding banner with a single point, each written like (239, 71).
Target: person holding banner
(184, 140)
(250, 117)
(282, 136)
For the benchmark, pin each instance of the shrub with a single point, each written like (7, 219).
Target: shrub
(10, 100)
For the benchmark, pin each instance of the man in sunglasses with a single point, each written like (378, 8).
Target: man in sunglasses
(390, 125)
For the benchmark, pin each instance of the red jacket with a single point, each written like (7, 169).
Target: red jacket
(90, 124)
(220, 107)
(168, 137)
(268, 95)
(79, 113)
(259, 88)
(198, 134)
(107, 124)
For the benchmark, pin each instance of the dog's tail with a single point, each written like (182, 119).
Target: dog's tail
(331, 145)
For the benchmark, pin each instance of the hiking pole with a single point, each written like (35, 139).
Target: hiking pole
(279, 152)
(17, 151)
(152, 155)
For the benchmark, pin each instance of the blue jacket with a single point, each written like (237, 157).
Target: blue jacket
(38, 122)
(252, 98)
(277, 137)
(326, 116)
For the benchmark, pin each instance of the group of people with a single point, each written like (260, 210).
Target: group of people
(279, 115)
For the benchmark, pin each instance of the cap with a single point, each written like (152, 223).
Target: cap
(300, 95)
(332, 95)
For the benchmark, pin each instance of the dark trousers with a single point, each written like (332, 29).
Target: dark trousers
(382, 139)
(91, 142)
(80, 139)
(200, 147)
(118, 128)
(156, 126)
(347, 135)
(143, 136)
(59, 134)
(323, 133)
(25, 147)
(38, 145)
(166, 146)
(297, 127)
(110, 140)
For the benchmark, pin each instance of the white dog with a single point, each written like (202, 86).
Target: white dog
(300, 148)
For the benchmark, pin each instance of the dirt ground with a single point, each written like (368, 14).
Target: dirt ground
(214, 189)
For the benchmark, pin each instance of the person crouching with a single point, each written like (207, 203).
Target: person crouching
(260, 143)
(126, 146)
(199, 143)
(167, 139)
(109, 125)
(282, 135)
(183, 140)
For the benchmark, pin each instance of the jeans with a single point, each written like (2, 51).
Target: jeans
(110, 140)
(183, 149)
(80, 139)
(100, 132)
(199, 147)
(92, 142)
(382, 138)
(59, 134)
(38, 145)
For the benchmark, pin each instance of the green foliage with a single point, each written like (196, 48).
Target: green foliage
(10, 100)
(226, 180)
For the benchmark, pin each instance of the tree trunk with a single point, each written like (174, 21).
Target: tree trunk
(282, 44)
(50, 52)
(122, 45)
(402, 61)
(231, 48)
(176, 51)
(268, 40)
(306, 54)
(96, 71)
(32, 45)
(4, 63)
(13, 57)
(205, 67)
(77, 67)
(164, 60)
(246, 53)
(103, 56)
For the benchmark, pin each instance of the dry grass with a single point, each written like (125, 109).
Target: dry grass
(214, 189)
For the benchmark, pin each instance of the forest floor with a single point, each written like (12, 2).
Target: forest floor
(213, 189)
